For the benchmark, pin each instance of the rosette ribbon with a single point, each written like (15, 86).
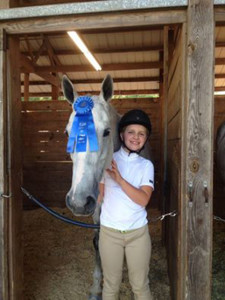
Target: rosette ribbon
(83, 127)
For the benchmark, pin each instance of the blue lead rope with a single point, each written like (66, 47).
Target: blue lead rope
(57, 215)
(83, 127)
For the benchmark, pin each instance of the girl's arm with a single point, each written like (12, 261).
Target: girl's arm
(140, 195)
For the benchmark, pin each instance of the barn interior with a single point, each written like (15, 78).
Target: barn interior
(135, 57)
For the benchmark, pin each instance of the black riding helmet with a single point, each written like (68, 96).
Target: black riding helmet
(135, 116)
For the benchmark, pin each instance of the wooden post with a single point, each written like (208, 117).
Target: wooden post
(163, 103)
(14, 170)
(55, 92)
(198, 160)
(3, 180)
(26, 87)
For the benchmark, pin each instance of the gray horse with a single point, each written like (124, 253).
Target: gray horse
(88, 166)
(220, 150)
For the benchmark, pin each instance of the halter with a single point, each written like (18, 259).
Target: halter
(83, 127)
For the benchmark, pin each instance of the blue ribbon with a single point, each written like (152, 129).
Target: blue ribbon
(83, 127)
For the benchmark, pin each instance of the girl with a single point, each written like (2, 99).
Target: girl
(126, 190)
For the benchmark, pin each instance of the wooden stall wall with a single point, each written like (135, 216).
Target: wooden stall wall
(218, 189)
(47, 168)
(174, 124)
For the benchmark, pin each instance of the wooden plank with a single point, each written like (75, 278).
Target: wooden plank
(26, 86)
(174, 116)
(175, 59)
(15, 170)
(3, 178)
(199, 148)
(174, 89)
(44, 116)
(82, 8)
(127, 19)
(174, 127)
(46, 105)
(105, 67)
(173, 242)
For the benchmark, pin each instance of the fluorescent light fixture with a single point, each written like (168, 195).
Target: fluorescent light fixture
(80, 44)
(219, 93)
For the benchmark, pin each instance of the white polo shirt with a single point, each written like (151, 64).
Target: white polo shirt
(118, 210)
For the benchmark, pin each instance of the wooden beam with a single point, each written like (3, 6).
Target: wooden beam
(82, 22)
(124, 29)
(198, 153)
(26, 66)
(100, 50)
(38, 53)
(219, 88)
(51, 53)
(116, 92)
(26, 87)
(30, 53)
(219, 61)
(92, 7)
(4, 260)
(105, 67)
(99, 81)
(220, 76)
(55, 92)
(14, 170)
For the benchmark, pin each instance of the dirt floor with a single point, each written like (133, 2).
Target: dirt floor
(59, 260)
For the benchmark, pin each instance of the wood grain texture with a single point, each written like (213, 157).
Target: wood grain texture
(174, 237)
(199, 147)
(14, 171)
(3, 177)
(66, 23)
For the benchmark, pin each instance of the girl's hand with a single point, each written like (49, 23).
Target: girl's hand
(114, 172)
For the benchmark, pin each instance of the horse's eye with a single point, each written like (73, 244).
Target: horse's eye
(106, 132)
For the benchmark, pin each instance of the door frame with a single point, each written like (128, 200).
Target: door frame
(12, 28)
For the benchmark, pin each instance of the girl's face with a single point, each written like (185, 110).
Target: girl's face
(134, 136)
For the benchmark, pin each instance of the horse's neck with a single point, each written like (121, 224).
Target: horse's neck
(115, 117)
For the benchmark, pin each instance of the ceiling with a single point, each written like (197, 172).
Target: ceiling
(133, 57)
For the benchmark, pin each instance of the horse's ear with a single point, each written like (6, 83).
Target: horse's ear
(107, 88)
(68, 89)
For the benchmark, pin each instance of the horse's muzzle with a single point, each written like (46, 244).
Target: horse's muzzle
(86, 210)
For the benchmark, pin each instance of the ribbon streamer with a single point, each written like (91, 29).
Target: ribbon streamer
(83, 127)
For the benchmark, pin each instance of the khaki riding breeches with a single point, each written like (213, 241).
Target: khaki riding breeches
(135, 246)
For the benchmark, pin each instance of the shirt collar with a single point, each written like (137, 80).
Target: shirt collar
(125, 154)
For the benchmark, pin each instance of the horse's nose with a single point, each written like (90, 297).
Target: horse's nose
(90, 205)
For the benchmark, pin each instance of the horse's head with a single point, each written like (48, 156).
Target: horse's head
(89, 164)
